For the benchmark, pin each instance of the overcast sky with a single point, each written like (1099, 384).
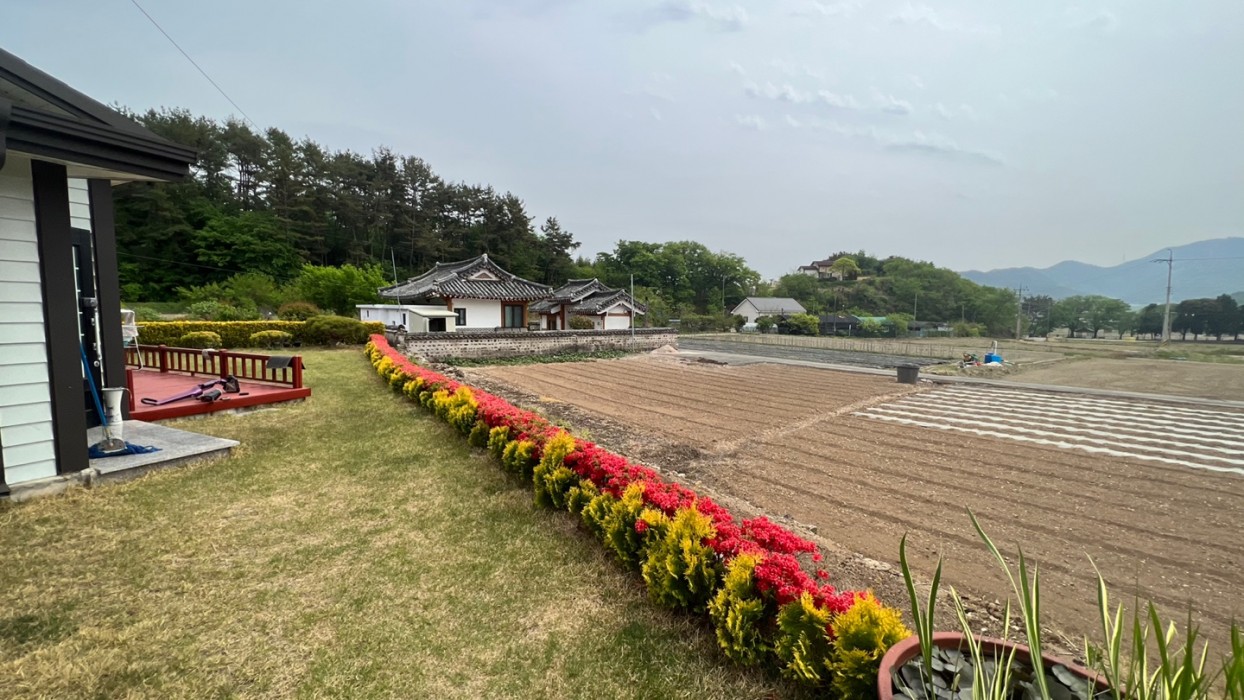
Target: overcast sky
(972, 134)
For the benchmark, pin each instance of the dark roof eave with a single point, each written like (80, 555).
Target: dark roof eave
(67, 139)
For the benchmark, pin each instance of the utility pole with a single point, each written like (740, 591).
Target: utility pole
(1166, 319)
(633, 303)
(1019, 311)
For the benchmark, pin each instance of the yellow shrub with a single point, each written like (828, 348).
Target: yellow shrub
(518, 457)
(613, 521)
(862, 635)
(384, 367)
(737, 612)
(802, 642)
(498, 439)
(681, 571)
(551, 479)
(457, 409)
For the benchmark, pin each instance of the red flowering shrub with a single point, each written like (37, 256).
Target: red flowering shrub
(611, 495)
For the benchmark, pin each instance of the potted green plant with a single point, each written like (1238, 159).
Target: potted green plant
(961, 666)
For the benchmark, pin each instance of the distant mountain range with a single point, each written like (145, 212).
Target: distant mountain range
(1202, 269)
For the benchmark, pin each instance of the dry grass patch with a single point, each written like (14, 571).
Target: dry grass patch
(352, 548)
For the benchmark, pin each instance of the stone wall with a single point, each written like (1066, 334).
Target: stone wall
(471, 344)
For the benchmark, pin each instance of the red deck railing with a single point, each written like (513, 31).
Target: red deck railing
(216, 363)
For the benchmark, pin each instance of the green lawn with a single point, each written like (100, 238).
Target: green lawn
(352, 547)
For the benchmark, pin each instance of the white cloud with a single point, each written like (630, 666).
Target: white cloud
(915, 80)
(841, 8)
(833, 99)
(792, 122)
(723, 18)
(654, 113)
(963, 111)
(916, 143)
(1103, 20)
(794, 69)
(939, 146)
(751, 121)
(890, 104)
(784, 92)
(924, 15)
(737, 69)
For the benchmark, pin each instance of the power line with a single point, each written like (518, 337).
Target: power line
(196, 65)
(179, 262)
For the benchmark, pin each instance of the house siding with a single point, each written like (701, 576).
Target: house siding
(747, 311)
(26, 435)
(79, 204)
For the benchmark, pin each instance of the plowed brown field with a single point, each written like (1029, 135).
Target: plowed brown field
(788, 440)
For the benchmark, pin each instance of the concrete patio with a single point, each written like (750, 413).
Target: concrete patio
(177, 447)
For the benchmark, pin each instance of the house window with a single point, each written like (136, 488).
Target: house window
(461, 317)
(512, 315)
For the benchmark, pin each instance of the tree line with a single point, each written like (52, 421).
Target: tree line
(872, 286)
(267, 203)
(1220, 317)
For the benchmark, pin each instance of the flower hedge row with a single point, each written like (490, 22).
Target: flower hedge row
(750, 576)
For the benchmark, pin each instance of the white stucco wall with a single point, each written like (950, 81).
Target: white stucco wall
(26, 435)
(613, 322)
(481, 313)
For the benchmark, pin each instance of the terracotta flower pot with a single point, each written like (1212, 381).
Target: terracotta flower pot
(909, 649)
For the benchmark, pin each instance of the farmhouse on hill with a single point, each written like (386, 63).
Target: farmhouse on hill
(482, 295)
(753, 308)
(823, 269)
(61, 152)
(605, 307)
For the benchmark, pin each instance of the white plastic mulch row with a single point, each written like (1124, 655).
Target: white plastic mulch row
(1175, 435)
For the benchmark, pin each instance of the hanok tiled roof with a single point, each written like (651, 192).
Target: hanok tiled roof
(585, 297)
(453, 281)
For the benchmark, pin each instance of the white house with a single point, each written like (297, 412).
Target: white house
(481, 294)
(60, 154)
(607, 308)
(753, 308)
(415, 319)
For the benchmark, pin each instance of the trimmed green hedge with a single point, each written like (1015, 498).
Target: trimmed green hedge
(237, 334)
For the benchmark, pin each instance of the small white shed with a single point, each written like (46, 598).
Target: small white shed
(414, 318)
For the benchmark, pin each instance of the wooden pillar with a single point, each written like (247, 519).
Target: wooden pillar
(107, 284)
(60, 310)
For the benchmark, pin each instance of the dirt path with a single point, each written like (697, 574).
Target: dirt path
(863, 461)
(1205, 380)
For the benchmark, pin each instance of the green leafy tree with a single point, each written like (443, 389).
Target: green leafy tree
(1225, 319)
(845, 268)
(800, 324)
(899, 324)
(247, 242)
(1194, 316)
(554, 261)
(339, 289)
(1149, 320)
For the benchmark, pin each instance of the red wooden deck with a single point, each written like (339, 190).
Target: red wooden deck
(170, 371)
(152, 383)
